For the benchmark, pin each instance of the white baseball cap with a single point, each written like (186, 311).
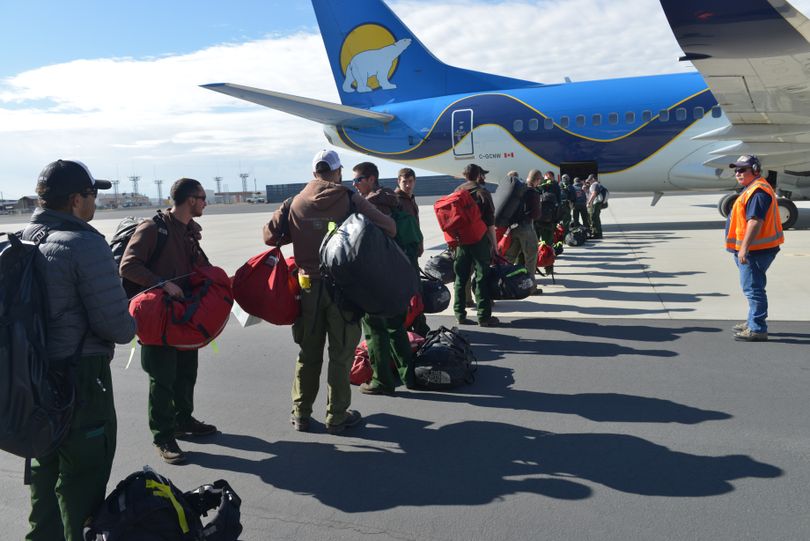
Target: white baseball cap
(330, 157)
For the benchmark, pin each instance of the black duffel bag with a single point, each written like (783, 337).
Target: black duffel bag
(445, 360)
(148, 507)
(367, 268)
(509, 282)
(576, 237)
(440, 266)
(435, 295)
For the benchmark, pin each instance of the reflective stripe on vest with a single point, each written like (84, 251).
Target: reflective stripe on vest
(770, 234)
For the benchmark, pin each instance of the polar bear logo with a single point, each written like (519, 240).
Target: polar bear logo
(373, 63)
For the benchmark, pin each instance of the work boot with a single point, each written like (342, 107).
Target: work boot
(375, 388)
(301, 424)
(353, 418)
(740, 327)
(491, 321)
(170, 452)
(748, 335)
(463, 320)
(194, 428)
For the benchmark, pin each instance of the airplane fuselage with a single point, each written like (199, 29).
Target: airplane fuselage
(635, 131)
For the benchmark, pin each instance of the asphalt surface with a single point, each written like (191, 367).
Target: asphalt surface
(584, 422)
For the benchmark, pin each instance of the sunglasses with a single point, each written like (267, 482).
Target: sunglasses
(199, 196)
(741, 169)
(359, 179)
(89, 192)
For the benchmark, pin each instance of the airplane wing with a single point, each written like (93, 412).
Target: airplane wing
(323, 112)
(755, 58)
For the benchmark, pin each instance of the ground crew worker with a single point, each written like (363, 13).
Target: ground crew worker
(88, 314)
(580, 206)
(386, 338)
(323, 200)
(172, 372)
(595, 207)
(406, 184)
(476, 256)
(753, 235)
(523, 248)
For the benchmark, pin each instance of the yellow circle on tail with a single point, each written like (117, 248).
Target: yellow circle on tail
(366, 38)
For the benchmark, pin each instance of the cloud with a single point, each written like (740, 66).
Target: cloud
(148, 116)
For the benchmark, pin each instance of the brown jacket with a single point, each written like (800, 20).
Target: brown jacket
(179, 256)
(481, 196)
(319, 203)
(408, 203)
(384, 199)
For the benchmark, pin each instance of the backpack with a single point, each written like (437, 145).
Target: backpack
(149, 507)
(435, 295)
(508, 281)
(440, 267)
(37, 394)
(362, 372)
(545, 255)
(267, 288)
(548, 206)
(367, 268)
(121, 238)
(508, 201)
(445, 360)
(580, 197)
(459, 218)
(576, 236)
(188, 323)
(602, 194)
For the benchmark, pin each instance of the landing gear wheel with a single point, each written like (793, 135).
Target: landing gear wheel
(787, 212)
(725, 204)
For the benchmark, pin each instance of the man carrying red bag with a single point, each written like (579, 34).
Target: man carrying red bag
(172, 372)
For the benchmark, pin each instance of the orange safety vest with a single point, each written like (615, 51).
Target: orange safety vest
(770, 234)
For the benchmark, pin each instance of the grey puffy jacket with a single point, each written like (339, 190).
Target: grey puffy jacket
(83, 287)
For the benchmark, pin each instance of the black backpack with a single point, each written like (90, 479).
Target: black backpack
(440, 266)
(548, 205)
(508, 201)
(148, 507)
(367, 268)
(445, 360)
(121, 238)
(507, 281)
(37, 394)
(435, 295)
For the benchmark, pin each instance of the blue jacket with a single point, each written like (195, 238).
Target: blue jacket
(83, 287)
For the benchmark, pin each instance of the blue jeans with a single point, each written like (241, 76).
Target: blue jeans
(753, 280)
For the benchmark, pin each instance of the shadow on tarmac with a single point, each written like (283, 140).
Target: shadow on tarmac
(492, 390)
(407, 462)
(639, 333)
(669, 226)
(517, 306)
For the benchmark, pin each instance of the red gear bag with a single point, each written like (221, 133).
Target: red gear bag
(267, 287)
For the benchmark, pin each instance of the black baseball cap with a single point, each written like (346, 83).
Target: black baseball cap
(473, 171)
(64, 177)
(746, 161)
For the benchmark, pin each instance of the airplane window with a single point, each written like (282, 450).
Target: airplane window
(596, 120)
(699, 112)
(534, 124)
(629, 117)
(548, 123)
(518, 126)
(564, 121)
(646, 116)
(663, 115)
(613, 118)
(580, 120)
(717, 112)
(680, 113)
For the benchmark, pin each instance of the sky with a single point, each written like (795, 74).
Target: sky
(116, 84)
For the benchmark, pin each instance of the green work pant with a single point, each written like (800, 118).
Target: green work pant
(594, 212)
(69, 485)
(388, 349)
(565, 220)
(172, 376)
(468, 257)
(523, 250)
(321, 318)
(545, 232)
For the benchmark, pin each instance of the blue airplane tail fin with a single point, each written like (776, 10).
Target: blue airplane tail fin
(376, 59)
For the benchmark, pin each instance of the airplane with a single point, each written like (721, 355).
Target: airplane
(656, 134)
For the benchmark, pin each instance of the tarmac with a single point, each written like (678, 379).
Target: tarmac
(615, 406)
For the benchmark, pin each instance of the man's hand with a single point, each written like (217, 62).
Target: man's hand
(173, 290)
(742, 257)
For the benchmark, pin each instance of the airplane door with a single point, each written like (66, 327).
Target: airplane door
(462, 133)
